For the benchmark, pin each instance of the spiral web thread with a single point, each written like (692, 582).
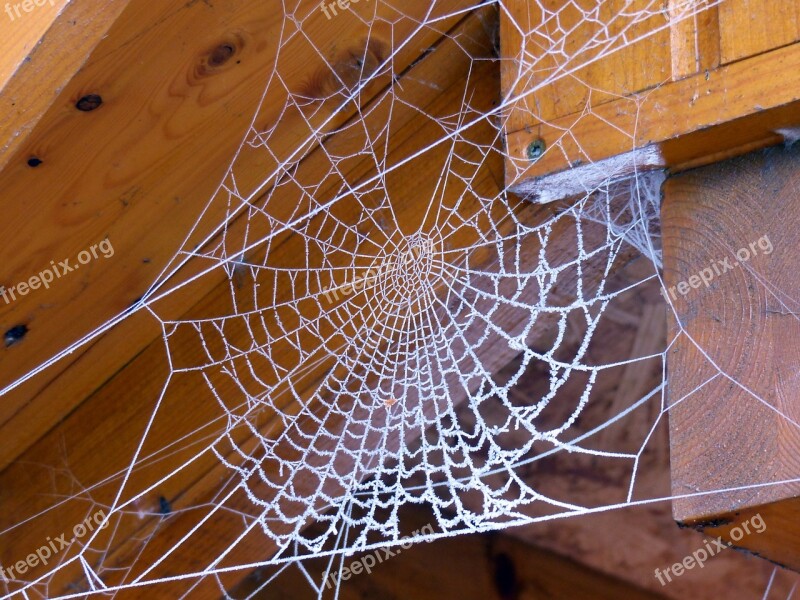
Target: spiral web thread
(403, 392)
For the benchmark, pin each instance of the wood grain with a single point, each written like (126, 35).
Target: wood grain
(711, 89)
(694, 39)
(551, 40)
(734, 407)
(20, 31)
(35, 66)
(123, 172)
(697, 120)
(750, 27)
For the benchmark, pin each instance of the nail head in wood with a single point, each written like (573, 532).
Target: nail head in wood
(535, 149)
(15, 335)
(89, 103)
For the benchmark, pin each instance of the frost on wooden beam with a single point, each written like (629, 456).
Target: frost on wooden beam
(689, 92)
(733, 372)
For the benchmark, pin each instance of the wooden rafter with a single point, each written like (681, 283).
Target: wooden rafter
(610, 117)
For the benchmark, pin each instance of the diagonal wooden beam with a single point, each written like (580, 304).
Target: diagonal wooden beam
(121, 171)
(35, 66)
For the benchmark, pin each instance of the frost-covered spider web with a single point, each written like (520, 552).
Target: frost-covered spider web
(391, 327)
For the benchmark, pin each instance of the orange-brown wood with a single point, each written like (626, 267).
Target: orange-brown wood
(694, 39)
(21, 30)
(734, 405)
(768, 531)
(750, 27)
(699, 119)
(550, 40)
(657, 98)
(35, 65)
(168, 94)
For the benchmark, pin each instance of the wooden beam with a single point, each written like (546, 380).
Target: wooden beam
(122, 171)
(677, 97)
(750, 27)
(21, 30)
(694, 121)
(729, 231)
(35, 66)
(694, 40)
(562, 44)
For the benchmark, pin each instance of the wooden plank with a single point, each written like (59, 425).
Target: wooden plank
(21, 30)
(694, 121)
(694, 40)
(778, 518)
(553, 40)
(733, 397)
(154, 115)
(573, 121)
(750, 27)
(35, 66)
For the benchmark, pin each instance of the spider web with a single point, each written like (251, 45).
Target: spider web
(388, 302)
